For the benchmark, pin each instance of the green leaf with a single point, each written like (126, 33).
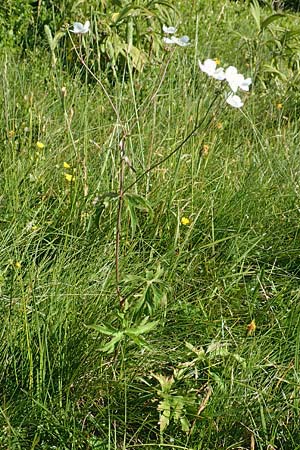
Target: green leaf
(49, 36)
(133, 202)
(139, 202)
(255, 11)
(271, 19)
(133, 217)
(138, 340)
(110, 346)
(104, 329)
(185, 424)
(57, 38)
(164, 419)
(138, 57)
(143, 328)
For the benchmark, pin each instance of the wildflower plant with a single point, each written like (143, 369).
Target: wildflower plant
(107, 270)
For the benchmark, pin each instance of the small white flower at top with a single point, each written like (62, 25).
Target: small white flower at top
(183, 41)
(79, 28)
(210, 68)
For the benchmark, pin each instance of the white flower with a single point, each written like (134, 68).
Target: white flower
(233, 78)
(244, 85)
(169, 30)
(236, 80)
(219, 74)
(79, 28)
(182, 41)
(210, 68)
(234, 100)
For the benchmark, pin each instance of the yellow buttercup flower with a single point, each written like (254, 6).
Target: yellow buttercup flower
(251, 327)
(185, 221)
(279, 106)
(67, 166)
(17, 265)
(40, 145)
(218, 61)
(69, 177)
(205, 149)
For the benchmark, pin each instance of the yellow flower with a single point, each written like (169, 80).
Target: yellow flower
(185, 221)
(205, 149)
(17, 265)
(251, 327)
(279, 106)
(219, 126)
(218, 61)
(67, 166)
(40, 145)
(69, 177)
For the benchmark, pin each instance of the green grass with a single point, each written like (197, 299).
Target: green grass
(202, 284)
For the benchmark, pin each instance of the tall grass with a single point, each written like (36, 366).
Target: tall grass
(236, 180)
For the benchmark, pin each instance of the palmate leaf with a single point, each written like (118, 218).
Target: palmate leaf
(108, 330)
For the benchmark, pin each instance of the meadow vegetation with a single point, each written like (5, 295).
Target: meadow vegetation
(150, 245)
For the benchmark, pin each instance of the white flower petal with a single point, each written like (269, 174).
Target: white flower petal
(231, 71)
(79, 28)
(234, 80)
(171, 40)
(169, 30)
(234, 101)
(219, 74)
(183, 41)
(244, 85)
(208, 67)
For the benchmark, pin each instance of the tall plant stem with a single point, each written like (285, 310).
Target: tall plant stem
(184, 141)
